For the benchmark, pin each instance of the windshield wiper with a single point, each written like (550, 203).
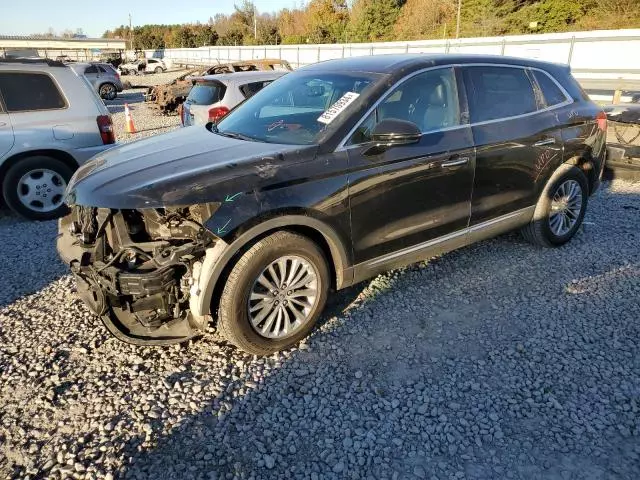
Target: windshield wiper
(238, 136)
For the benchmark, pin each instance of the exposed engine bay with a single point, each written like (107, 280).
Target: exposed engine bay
(134, 268)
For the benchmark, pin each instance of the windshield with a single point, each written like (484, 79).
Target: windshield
(297, 108)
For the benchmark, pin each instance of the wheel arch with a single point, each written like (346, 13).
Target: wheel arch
(215, 269)
(583, 161)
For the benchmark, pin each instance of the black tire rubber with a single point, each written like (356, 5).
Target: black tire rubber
(538, 230)
(233, 319)
(158, 70)
(15, 173)
(114, 92)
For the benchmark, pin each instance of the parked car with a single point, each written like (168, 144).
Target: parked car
(51, 121)
(102, 76)
(213, 96)
(149, 65)
(168, 97)
(334, 173)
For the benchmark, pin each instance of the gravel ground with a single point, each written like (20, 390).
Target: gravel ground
(496, 361)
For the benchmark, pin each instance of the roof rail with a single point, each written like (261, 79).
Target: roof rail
(34, 61)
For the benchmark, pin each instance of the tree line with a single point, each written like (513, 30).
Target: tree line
(338, 21)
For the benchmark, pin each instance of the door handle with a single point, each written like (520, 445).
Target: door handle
(2, 124)
(547, 141)
(455, 162)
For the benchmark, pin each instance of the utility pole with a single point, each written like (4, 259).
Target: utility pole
(130, 34)
(458, 19)
(255, 22)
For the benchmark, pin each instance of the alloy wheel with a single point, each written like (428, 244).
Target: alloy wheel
(566, 207)
(283, 297)
(108, 92)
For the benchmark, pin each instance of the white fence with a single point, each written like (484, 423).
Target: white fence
(605, 59)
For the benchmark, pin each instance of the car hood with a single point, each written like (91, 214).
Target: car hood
(189, 166)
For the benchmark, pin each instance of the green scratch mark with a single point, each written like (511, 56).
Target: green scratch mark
(221, 230)
(231, 198)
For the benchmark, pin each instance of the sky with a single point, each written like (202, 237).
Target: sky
(94, 17)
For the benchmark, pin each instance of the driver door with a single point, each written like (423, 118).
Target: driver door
(409, 198)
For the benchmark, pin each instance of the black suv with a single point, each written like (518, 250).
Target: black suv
(330, 175)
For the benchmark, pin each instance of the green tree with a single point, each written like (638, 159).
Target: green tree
(372, 20)
(422, 19)
(326, 21)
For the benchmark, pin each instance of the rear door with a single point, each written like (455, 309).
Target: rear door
(37, 108)
(515, 137)
(6, 131)
(92, 74)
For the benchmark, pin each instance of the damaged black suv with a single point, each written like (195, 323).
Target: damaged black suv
(330, 175)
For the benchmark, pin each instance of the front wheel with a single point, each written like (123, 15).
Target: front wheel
(274, 294)
(158, 70)
(560, 209)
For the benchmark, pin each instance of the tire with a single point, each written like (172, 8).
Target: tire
(548, 230)
(108, 91)
(34, 187)
(234, 321)
(158, 70)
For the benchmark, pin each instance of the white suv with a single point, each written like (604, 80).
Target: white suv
(213, 96)
(51, 121)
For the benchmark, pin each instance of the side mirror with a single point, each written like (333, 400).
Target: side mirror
(393, 131)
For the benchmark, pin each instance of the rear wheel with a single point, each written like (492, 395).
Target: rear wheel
(108, 91)
(560, 209)
(34, 187)
(274, 294)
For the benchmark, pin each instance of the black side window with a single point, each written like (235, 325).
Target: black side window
(30, 91)
(251, 89)
(102, 69)
(91, 69)
(551, 92)
(498, 92)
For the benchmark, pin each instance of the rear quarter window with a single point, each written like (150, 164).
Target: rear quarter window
(251, 89)
(206, 93)
(498, 92)
(24, 91)
(550, 91)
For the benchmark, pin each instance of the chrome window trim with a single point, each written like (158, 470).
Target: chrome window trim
(568, 101)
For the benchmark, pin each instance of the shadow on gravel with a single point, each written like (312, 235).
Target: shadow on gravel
(29, 257)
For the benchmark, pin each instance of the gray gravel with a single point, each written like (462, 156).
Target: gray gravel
(147, 120)
(496, 361)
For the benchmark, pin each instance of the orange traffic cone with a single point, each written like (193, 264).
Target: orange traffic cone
(131, 128)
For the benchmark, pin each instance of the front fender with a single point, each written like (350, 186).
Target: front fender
(218, 257)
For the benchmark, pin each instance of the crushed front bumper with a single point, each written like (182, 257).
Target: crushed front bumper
(139, 307)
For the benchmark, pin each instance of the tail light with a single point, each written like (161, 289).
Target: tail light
(105, 125)
(601, 118)
(216, 113)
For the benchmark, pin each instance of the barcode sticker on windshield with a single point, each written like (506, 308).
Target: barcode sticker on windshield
(337, 108)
